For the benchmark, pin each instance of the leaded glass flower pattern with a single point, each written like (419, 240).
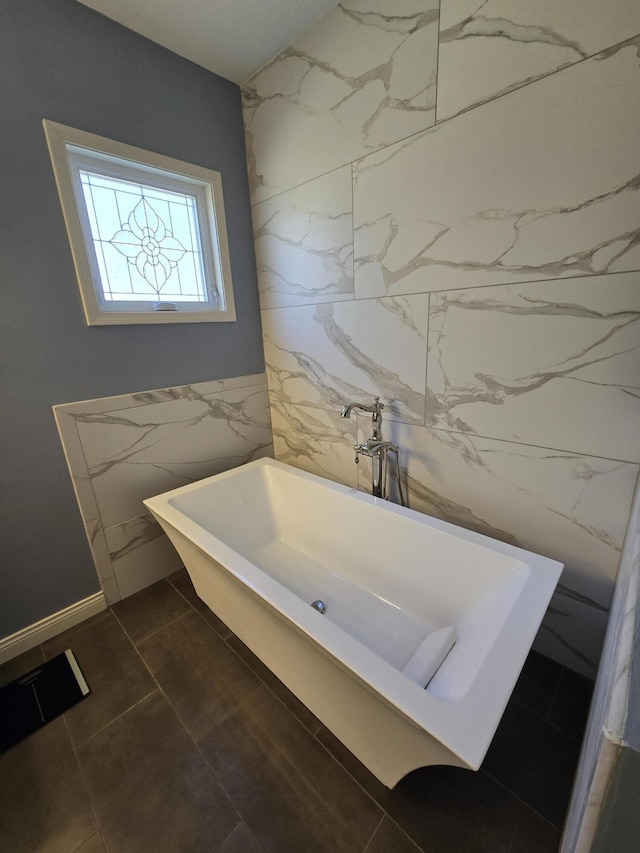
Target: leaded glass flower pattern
(147, 244)
(146, 241)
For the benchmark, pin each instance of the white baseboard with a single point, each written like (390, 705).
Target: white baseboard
(51, 626)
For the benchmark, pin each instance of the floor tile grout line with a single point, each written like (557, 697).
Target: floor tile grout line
(180, 593)
(86, 788)
(241, 819)
(553, 698)
(556, 728)
(523, 802)
(314, 736)
(379, 824)
(513, 834)
(242, 822)
(401, 829)
(116, 718)
(158, 688)
(213, 628)
(97, 832)
(272, 692)
(200, 614)
(215, 632)
(360, 785)
(155, 630)
(315, 732)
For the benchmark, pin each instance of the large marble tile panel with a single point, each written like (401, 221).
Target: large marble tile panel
(304, 243)
(143, 398)
(101, 405)
(488, 49)
(555, 364)
(570, 507)
(99, 549)
(101, 435)
(326, 355)
(159, 426)
(141, 554)
(315, 440)
(360, 78)
(125, 538)
(142, 451)
(539, 184)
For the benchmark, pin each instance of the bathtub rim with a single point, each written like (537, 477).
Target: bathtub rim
(465, 726)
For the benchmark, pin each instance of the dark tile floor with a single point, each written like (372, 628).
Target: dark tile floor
(188, 743)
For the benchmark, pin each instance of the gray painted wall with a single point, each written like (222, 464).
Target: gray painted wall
(62, 61)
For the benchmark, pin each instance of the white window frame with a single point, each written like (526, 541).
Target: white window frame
(72, 149)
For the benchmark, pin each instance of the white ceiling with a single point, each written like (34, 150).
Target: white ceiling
(233, 38)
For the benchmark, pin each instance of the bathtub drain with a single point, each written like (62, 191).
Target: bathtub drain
(320, 606)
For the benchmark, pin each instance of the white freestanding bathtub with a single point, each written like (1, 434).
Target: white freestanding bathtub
(264, 541)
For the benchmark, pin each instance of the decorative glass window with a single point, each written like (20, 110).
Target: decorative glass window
(147, 232)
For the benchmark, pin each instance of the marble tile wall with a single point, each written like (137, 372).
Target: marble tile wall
(123, 449)
(447, 214)
(364, 76)
(493, 47)
(304, 243)
(572, 376)
(539, 184)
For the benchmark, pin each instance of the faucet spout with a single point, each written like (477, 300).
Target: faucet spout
(376, 412)
(376, 408)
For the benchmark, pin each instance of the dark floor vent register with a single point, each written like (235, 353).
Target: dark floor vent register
(34, 699)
